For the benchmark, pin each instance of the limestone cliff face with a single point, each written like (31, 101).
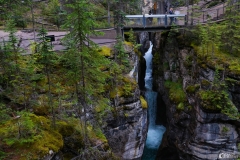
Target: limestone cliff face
(126, 127)
(193, 132)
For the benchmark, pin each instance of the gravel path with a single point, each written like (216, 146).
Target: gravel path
(28, 38)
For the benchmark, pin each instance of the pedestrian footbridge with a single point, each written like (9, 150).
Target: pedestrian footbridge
(154, 22)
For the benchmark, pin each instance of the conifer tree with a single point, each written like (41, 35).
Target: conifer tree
(118, 67)
(231, 30)
(47, 58)
(82, 61)
(10, 55)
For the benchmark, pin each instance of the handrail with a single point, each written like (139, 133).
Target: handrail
(153, 19)
(192, 17)
(155, 15)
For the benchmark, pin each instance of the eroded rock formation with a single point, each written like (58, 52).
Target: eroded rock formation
(126, 127)
(193, 131)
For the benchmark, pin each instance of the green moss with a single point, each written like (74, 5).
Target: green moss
(192, 88)
(188, 62)
(210, 99)
(218, 100)
(125, 89)
(205, 83)
(225, 129)
(49, 141)
(176, 93)
(30, 134)
(128, 43)
(219, 59)
(189, 107)
(232, 81)
(64, 128)
(159, 67)
(105, 51)
(138, 53)
(96, 134)
(166, 66)
(143, 102)
(180, 106)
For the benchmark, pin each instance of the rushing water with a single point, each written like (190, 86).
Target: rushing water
(155, 132)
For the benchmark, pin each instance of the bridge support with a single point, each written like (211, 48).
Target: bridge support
(165, 21)
(144, 21)
(185, 20)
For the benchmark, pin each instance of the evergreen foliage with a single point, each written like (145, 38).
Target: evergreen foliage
(231, 29)
(37, 90)
(176, 92)
(217, 98)
(32, 133)
(83, 65)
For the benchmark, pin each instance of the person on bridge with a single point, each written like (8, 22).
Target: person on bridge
(171, 18)
(150, 18)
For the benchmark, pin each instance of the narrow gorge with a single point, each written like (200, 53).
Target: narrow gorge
(195, 127)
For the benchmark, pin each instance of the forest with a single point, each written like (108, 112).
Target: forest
(53, 102)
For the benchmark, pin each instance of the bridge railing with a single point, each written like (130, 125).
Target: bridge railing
(154, 20)
(207, 15)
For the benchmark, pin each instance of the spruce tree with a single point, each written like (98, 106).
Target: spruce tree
(231, 32)
(47, 59)
(82, 61)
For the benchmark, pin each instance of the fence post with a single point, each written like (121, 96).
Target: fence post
(185, 19)
(165, 21)
(223, 10)
(144, 21)
(192, 18)
(203, 17)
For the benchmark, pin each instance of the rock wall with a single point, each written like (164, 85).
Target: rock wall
(193, 132)
(126, 127)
